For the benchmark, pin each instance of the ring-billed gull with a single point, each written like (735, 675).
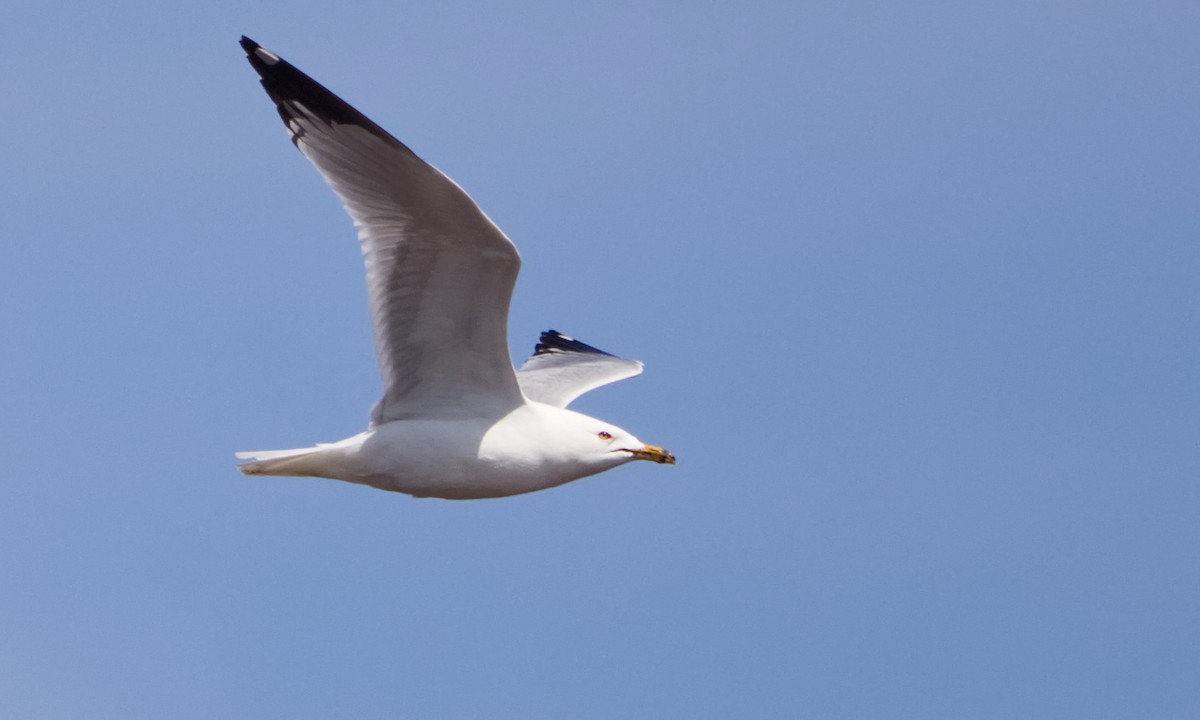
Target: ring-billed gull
(455, 420)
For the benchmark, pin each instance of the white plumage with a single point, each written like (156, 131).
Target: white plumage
(455, 420)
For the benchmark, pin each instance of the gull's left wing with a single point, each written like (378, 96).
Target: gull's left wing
(439, 272)
(562, 368)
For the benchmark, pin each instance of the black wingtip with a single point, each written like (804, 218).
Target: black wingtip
(264, 62)
(554, 341)
(294, 91)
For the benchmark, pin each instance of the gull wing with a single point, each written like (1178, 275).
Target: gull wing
(439, 272)
(562, 368)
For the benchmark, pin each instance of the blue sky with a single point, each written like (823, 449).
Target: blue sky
(916, 289)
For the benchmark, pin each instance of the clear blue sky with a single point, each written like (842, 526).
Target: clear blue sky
(917, 286)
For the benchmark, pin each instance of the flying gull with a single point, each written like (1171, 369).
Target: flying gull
(455, 420)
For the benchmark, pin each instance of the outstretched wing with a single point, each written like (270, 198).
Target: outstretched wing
(562, 368)
(439, 272)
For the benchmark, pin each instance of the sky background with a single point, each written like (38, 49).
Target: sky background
(916, 285)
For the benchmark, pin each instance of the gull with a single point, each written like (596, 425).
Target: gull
(456, 420)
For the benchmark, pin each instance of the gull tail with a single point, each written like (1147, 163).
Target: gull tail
(300, 462)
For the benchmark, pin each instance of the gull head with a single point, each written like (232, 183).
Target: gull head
(605, 444)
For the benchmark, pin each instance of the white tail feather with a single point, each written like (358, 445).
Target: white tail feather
(273, 454)
(296, 462)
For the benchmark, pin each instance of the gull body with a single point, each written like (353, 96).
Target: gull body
(455, 420)
(533, 447)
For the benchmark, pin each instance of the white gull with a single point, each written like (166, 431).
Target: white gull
(455, 420)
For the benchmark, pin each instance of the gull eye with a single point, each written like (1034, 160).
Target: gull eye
(605, 435)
